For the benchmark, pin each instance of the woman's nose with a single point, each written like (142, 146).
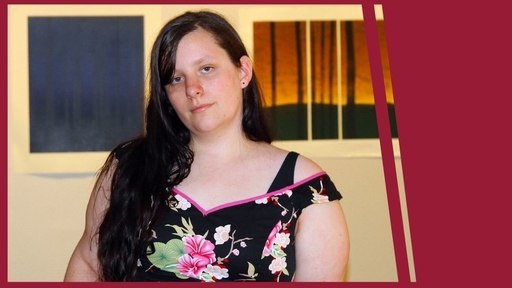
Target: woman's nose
(194, 88)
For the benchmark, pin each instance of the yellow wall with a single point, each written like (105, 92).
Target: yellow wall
(46, 210)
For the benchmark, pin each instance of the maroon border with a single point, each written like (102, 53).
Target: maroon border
(386, 144)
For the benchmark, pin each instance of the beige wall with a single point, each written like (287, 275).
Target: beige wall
(46, 211)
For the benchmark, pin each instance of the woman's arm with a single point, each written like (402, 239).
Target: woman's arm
(322, 239)
(83, 265)
(322, 243)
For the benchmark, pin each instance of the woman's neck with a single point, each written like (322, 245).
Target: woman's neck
(222, 147)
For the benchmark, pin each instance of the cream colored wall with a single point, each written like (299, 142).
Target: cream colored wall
(46, 211)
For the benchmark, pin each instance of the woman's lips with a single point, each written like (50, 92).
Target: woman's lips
(200, 108)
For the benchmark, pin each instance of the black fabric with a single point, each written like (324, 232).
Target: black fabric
(251, 239)
(286, 173)
(246, 240)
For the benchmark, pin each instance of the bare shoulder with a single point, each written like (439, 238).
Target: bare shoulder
(305, 167)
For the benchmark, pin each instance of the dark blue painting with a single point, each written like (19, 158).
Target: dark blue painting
(86, 77)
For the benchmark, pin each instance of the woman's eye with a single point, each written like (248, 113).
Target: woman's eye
(207, 69)
(176, 80)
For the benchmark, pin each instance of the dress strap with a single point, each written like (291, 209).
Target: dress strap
(285, 174)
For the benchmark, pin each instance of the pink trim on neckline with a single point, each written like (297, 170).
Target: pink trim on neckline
(243, 201)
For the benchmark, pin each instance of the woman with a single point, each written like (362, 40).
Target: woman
(203, 195)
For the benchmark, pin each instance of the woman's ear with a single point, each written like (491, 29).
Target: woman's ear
(245, 71)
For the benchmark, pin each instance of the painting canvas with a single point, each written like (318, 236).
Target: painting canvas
(76, 82)
(86, 79)
(336, 98)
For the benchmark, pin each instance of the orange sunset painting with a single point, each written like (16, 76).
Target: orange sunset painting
(318, 72)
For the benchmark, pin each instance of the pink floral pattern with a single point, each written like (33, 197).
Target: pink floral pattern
(190, 266)
(277, 241)
(250, 241)
(270, 239)
(199, 248)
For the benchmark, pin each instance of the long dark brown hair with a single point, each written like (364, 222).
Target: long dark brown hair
(147, 167)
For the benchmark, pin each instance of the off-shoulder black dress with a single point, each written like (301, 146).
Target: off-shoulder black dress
(247, 240)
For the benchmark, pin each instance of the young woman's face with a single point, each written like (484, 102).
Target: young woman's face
(206, 89)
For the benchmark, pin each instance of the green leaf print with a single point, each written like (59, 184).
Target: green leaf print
(250, 272)
(206, 277)
(188, 225)
(166, 255)
(251, 269)
(277, 252)
(179, 230)
(285, 272)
